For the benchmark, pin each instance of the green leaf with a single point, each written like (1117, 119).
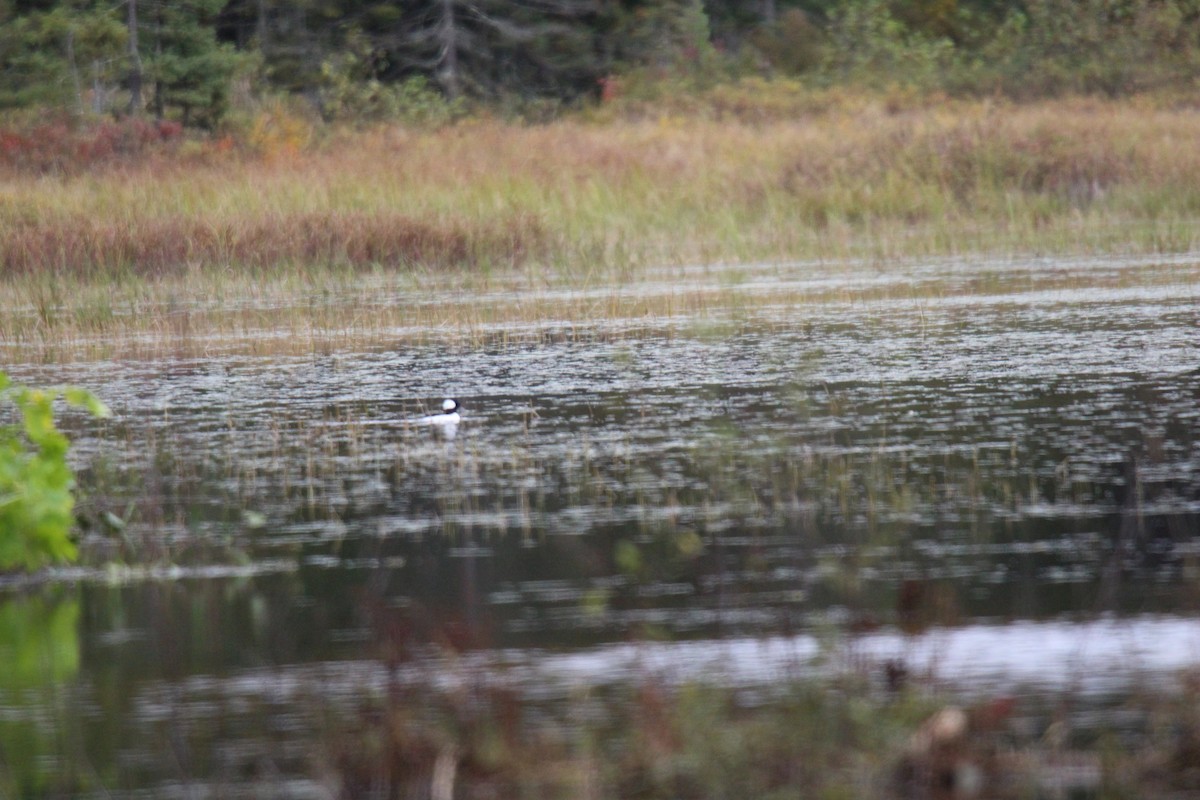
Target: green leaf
(36, 482)
(627, 557)
(84, 399)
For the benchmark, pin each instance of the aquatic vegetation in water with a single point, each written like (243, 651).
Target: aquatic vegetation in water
(323, 599)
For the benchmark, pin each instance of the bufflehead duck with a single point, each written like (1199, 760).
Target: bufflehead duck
(449, 415)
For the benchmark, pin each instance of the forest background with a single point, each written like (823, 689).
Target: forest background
(210, 63)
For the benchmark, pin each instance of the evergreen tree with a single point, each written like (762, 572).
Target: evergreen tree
(181, 60)
(293, 39)
(489, 48)
(53, 56)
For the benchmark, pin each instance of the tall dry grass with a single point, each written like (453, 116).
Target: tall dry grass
(166, 244)
(962, 176)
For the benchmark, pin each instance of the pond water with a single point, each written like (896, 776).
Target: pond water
(991, 470)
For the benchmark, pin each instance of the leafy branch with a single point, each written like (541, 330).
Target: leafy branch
(36, 482)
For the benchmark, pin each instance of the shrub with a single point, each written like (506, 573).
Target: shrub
(867, 46)
(35, 479)
(57, 145)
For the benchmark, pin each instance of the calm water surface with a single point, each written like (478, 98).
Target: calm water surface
(1013, 460)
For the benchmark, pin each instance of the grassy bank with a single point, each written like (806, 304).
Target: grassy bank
(184, 240)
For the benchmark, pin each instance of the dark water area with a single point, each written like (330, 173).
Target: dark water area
(1004, 457)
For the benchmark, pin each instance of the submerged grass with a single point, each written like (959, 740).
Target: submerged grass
(295, 311)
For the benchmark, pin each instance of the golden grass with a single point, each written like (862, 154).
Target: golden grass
(144, 248)
(162, 245)
(586, 195)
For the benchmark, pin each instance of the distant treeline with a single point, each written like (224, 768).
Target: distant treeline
(188, 60)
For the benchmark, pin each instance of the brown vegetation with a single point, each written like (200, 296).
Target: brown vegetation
(587, 196)
(149, 241)
(159, 246)
(853, 177)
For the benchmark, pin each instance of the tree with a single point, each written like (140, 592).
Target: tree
(135, 58)
(50, 52)
(180, 57)
(48, 56)
(467, 48)
(490, 48)
(292, 39)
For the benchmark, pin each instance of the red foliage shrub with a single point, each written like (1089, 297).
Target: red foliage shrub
(54, 146)
(610, 88)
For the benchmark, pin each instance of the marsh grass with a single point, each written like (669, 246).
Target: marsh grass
(849, 734)
(819, 738)
(337, 468)
(647, 740)
(583, 200)
(162, 246)
(336, 249)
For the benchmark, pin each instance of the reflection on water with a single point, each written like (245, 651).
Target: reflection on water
(39, 640)
(1016, 453)
(39, 655)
